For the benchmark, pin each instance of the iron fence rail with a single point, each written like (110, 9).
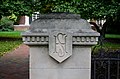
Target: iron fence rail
(106, 65)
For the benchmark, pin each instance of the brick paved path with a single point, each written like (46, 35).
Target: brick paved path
(14, 65)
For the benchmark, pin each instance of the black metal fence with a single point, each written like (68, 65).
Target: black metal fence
(105, 65)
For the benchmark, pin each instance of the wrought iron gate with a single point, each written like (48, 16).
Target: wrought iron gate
(106, 65)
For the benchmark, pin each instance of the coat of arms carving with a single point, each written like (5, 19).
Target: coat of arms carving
(60, 46)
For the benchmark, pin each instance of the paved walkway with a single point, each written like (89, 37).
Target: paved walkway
(14, 65)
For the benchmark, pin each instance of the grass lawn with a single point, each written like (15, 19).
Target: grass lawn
(9, 41)
(107, 46)
(14, 34)
(111, 43)
(7, 46)
(112, 36)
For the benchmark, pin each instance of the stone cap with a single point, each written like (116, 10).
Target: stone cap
(58, 21)
(59, 16)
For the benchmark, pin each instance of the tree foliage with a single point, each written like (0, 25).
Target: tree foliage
(17, 7)
(88, 9)
(98, 9)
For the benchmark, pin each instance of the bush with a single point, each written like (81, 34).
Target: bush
(6, 24)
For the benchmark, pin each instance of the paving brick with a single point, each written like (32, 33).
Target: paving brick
(15, 65)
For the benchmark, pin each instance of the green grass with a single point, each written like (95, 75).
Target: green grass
(111, 45)
(14, 34)
(112, 36)
(107, 46)
(9, 41)
(7, 46)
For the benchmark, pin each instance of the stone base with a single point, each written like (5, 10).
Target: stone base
(42, 66)
(59, 74)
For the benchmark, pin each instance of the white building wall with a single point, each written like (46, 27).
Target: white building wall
(27, 20)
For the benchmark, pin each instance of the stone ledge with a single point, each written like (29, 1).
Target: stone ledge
(85, 40)
(44, 40)
(35, 39)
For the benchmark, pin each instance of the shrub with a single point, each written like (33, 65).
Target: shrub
(6, 24)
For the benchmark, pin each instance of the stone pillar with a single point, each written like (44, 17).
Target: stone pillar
(60, 47)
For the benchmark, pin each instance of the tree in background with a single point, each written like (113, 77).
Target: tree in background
(10, 10)
(88, 9)
(97, 9)
(16, 7)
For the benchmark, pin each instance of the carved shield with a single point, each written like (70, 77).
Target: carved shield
(60, 45)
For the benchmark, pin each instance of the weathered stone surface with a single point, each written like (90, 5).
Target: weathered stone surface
(60, 47)
(40, 59)
(59, 21)
(60, 74)
(59, 16)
